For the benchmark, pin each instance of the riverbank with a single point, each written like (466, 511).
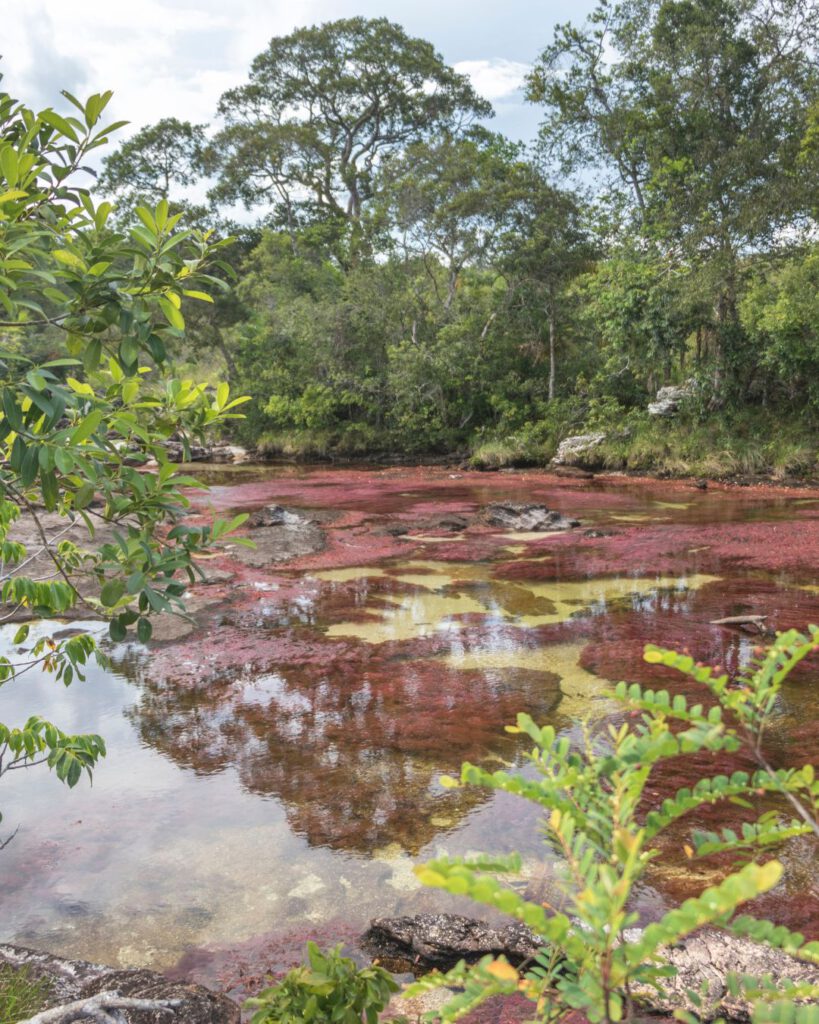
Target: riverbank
(731, 446)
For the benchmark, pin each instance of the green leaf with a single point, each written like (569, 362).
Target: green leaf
(111, 592)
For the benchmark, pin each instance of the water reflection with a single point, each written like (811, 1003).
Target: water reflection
(354, 757)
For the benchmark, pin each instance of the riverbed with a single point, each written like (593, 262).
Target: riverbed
(273, 767)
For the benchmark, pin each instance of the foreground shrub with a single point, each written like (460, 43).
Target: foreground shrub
(330, 989)
(597, 823)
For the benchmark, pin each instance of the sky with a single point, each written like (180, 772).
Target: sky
(174, 58)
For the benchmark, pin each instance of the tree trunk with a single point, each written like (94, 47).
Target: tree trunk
(552, 347)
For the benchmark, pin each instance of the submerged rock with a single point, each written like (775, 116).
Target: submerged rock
(70, 980)
(527, 518)
(576, 450)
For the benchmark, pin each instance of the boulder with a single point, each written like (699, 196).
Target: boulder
(526, 518)
(575, 450)
(229, 453)
(70, 980)
(670, 398)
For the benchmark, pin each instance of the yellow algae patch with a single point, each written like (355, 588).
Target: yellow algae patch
(431, 579)
(529, 534)
(570, 596)
(428, 538)
(638, 517)
(672, 504)
(577, 685)
(518, 604)
(356, 572)
(415, 615)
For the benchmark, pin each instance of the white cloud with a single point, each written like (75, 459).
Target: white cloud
(494, 79)
(160, 57)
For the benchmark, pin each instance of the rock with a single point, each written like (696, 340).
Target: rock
(430, 941)
(572, 472)
(397, 530)
(701, 484)
(229, 453)
(276, 515)
(527, 518)
(199, 453)
(702, 961)
(670, 398)
(453, 523)
(574, 451)
(598, 533)
(70, 980)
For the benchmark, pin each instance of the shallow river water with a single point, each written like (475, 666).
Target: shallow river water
(273, 776)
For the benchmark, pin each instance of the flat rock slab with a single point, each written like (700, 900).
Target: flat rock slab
(70, 980)
(279, 535)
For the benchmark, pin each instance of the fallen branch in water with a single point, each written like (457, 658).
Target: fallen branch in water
(757, 622)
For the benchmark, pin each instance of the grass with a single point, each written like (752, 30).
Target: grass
(731, 444)
(21, 994)
(753, 443)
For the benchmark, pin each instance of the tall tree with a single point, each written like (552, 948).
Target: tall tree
(699, 108)
(448, 199)
(322, 106)
(545, 247)
(159, 157)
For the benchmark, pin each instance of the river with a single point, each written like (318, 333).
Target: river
(273, 772)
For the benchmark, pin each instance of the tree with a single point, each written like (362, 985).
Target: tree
(80, 425)
(145, 167)
(546, 246)
(447, 199)
(322, 107)
(699, 109)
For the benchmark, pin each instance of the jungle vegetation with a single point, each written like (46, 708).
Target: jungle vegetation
(410, 281)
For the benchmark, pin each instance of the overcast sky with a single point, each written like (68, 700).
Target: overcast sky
(175, 57)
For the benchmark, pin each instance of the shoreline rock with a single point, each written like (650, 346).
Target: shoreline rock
(70, 980)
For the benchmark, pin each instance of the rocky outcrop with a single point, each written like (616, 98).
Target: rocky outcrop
(577, 450)
(669, 399)
(70, 980)
(703, 961)
(528, 518)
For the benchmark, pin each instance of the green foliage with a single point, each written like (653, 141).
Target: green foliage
(598, 824)
(80, 424)
(21, 994)
(330, 990)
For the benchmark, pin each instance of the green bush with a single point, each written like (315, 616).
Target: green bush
(330, 989)
(597, 823)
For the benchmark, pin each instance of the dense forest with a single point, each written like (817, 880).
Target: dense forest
(409, 281)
